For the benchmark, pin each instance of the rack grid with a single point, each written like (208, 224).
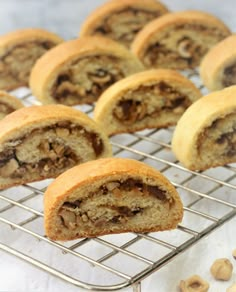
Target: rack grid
(118, 261)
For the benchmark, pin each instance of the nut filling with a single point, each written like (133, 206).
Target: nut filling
(109, 205)
(123, 25)
(86, 79)
(16, 64)
(6, 109)
(130, 110)
(187, 50)
(51, 154)
(229, 76)
(221, 136)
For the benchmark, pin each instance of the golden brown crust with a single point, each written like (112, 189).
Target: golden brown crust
(42, 115)
(198, 117)
(155, 29)
(103, 112)
(22, 38)
(25, 121)
(221, 56)
(10, 100)
(91, 172)
(48, 67)
(98, 16)
(23, 35)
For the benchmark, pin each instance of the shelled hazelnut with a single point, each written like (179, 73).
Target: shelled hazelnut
(232, 288)
(234, 253)
(222, 269)
(194, 284)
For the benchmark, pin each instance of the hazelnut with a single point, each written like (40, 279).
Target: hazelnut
(222, 269)
(194, 283)
(234, 254)
(232, 288)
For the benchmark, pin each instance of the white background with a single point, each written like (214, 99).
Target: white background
(65, 18)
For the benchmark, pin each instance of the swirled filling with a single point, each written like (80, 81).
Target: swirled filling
(219, 138)
(16, 64)
(153, 100)
(49, 150)
(123, 25)
(87, 78)
(229, 76)
(114, 203)
(183, 47)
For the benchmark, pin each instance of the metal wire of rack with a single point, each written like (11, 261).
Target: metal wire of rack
(206, 198)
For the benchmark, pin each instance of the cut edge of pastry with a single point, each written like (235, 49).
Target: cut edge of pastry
(19, 50)
(156, 26)
(214, 64)
(8, 103)
(47, 68)
(101, 184)
(112, 6)
(107, 103)
(27, 34)
(195, 126)
(41, 142)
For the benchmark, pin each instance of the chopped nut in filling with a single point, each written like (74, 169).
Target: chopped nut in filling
(48, 151)
(86, 79)
(146, 104)
(220, 136)
(114, 202)
(123, 25)
(185, 46)
(229, 76)
(16, 64)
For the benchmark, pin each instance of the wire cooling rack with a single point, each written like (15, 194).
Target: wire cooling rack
(113, 262)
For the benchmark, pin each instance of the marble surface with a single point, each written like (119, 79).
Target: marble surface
(65, 18)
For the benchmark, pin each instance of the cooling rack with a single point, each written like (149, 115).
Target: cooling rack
(113, 262)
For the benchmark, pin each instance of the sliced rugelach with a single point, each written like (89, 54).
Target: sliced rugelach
(122, 20)
(110, 195)
(149, 99)
(218, 67)
(8, 104)
(205, 135)
(43, 141)
(178, 40)
(78, 71)
(19, 50)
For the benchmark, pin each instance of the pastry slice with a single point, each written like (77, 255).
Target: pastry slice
(110, 195)
(121, 20)
(78, 71)
(205, 135)
(19, 50)
(149, 99)
(8, 104)
(43, 141)
(178, 40)
(218, 67)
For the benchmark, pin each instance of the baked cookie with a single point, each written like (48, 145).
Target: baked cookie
(178, 40)
(121, 20)
(149, 99)
(43, 141)
(19, 50)
(110, 195)
(205, 135)
(8, 104)
(218, 67)
(78, 71)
